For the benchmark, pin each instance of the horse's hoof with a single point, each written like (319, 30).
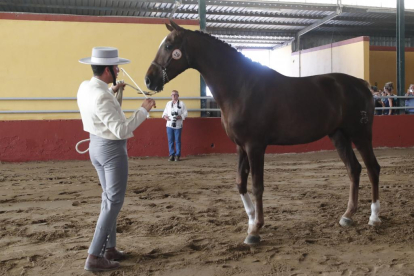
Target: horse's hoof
(251, 240)
(376, 222)
(346, 222)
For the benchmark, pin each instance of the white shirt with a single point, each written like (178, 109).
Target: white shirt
(102, 114)
(182, 111)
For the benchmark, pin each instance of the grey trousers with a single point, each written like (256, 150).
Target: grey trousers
(110, 159)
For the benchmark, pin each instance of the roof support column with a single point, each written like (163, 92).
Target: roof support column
(400, 51)
(202, 14)
(314, 26)
(202, 18)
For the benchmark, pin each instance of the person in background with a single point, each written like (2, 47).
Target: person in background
(109, 130)
(410, 101)
(389, 102)
(175, 113)
(377, 99)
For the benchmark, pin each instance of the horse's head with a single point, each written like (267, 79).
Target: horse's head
(170, 61)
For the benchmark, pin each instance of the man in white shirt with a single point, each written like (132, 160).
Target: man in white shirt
(175, 113)
(109, 130)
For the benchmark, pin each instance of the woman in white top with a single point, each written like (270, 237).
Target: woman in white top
(103, 118)
(175, 113)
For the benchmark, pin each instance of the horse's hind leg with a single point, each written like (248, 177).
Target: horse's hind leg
(344, 147)
(241, 181)
(364, 147)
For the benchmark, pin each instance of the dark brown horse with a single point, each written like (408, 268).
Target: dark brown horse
(261, 107)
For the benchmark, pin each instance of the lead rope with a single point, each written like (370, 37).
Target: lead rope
(137, 87)
(80, 142)
(119, 98)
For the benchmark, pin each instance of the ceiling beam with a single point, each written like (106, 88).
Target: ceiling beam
(359, 29)
(361, 32)
(325, 28)
(18, 6)
(162, 8)
(263, 5)
(167, 7)
(235, 16)
(258, 38)
(286, 16)
(252, 22)
(241, 47)
(231, 41)
(330, 23)
(250, 32)
(320, 22)
(169, 4)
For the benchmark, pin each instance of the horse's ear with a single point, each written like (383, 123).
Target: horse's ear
(175, 25)
(169, 27)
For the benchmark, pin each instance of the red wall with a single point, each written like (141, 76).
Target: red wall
(56, 139)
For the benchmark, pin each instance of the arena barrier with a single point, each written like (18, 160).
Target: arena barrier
(56, 139)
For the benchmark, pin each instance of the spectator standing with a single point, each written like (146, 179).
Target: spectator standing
(410, 101)
(175, 113)
(389, 102)
(377, 99)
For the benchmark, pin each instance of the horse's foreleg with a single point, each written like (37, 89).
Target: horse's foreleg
(365, 149)
(256, 161)
(344, 147)
(241, 180)
(250, 210)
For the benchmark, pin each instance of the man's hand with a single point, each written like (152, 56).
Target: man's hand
(148, 104)
(179, 117)
(167, 118)
(117, 86)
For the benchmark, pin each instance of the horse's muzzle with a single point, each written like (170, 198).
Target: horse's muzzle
(153, 79)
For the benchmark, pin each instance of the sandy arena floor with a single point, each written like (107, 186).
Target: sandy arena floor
(186, 218)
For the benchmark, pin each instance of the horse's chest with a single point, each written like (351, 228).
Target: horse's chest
(227, 128)
(232, 129)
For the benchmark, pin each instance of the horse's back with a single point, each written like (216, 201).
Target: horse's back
(351, 99)
(341, 91)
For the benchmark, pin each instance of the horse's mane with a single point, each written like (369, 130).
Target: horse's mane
(236, 53)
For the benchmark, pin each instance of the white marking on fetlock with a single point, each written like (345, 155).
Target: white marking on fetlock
(375, 210)
(250, 229)
(250, 210)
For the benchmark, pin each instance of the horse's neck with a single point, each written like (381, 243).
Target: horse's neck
(221, 72)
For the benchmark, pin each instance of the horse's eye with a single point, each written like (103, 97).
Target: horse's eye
(168, 47)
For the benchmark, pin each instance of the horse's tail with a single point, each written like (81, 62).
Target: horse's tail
(370, 106)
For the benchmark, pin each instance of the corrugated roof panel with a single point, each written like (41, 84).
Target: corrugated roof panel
(242, 16)
(368, 15)
(349, 23)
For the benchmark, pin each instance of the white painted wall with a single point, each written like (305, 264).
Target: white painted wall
(281, 60)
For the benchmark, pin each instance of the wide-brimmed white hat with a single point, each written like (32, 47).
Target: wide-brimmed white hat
(104, 56)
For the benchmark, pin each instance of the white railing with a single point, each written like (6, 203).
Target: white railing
(74, 98)
(394, 97)
(77, 111)
(153, 110)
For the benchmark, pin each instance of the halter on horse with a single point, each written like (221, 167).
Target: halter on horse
(261, 107)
